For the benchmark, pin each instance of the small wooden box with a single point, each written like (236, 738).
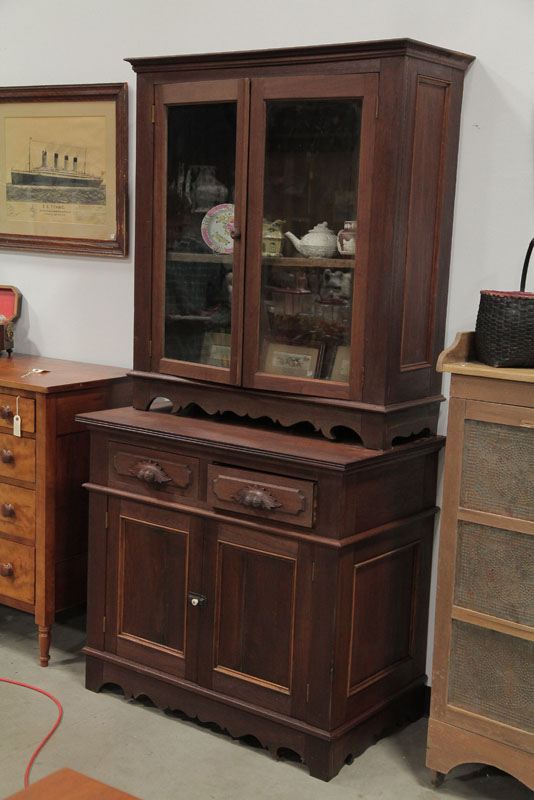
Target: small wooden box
(10, 304)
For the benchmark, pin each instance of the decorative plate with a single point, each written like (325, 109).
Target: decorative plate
(216, 227)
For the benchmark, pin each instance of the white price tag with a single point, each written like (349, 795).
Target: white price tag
(16, 421)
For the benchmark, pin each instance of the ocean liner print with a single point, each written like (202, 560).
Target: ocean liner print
(55, 173)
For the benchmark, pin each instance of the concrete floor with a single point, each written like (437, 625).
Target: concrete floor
(157, 756)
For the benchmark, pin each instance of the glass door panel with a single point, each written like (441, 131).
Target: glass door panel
(312, 150)
(200, 220)
(201, 191)
(308, 285)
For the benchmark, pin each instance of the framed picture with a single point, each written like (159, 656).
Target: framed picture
(294, 361)
(64, 168)
(216, 350)
(341, 365)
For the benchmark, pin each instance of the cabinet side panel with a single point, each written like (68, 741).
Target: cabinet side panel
(384, 637)
(431, 117)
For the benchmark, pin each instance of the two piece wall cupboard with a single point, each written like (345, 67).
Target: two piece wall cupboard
(259, 554)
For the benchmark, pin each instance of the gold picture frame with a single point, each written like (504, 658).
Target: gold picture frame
(64, 168)
(291, 360)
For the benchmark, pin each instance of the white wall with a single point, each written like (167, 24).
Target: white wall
(82, 308)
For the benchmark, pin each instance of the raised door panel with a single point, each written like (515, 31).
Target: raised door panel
(154, 561)
(255, 626)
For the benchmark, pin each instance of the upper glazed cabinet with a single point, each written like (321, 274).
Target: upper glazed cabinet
(294, 214)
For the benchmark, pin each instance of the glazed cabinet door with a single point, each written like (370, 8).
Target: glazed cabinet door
(153, 579)
(255, 633)
(310, 181)
(201, 144)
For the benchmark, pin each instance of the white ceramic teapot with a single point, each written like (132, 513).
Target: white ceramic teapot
(319, 242)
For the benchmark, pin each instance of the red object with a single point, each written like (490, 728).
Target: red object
(10, 303)
(47, 737)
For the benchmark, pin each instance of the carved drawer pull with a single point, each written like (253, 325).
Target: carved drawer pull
(257, 497)
(150, 472)
(8, 510)
(6, 412)
(6, 570)
(7, 456)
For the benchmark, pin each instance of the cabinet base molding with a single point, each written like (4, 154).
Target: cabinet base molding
(323, 752)
(448, 747)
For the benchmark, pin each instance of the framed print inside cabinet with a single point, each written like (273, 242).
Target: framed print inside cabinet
(64, 168)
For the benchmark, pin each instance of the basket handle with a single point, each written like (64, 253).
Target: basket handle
(525, 266)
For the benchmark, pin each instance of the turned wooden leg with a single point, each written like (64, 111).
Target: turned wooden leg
(45, 638)
(437, 778)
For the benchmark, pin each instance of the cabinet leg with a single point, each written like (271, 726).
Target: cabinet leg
(437, 778)
(45, 638)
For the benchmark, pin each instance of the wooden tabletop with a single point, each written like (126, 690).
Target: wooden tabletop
(60, 375)
(460, 358)
(66, 784)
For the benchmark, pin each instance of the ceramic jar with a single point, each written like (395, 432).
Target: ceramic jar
(272, 237)
(346, 239)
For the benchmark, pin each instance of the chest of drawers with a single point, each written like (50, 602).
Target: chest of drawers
(43, 510)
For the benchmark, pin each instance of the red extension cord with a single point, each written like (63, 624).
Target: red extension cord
(47, 737)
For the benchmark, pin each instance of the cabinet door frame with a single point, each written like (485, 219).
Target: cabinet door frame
(180, 663)
(346, 86)
(198, 92)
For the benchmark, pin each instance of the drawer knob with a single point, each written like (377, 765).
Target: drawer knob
(8, 510)
(257, 497)
(7, 456)
(6, 570)
(150, 472)
(6, 412)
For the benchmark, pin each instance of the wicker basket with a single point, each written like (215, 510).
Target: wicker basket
(504, 334)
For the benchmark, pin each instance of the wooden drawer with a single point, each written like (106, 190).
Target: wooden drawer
(152, 472)
(8, 405)
(17, 458)
(269, 496)
(17, 571)
(17, 511)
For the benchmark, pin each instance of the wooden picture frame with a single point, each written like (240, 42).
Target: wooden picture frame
(341, 366)
(64, 168)
(292, 360)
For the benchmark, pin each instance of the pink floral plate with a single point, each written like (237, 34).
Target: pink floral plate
(217, 226)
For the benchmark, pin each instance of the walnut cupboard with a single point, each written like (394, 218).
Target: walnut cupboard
(294, 213)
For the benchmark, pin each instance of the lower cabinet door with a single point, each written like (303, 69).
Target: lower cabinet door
(259, 643)
(153, 574)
